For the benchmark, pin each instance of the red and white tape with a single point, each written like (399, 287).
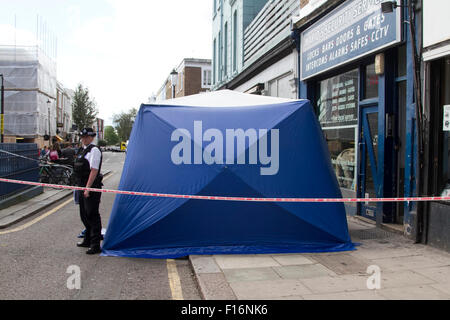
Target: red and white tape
(198, 197)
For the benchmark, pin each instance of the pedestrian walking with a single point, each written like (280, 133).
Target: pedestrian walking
(53, 155)
(58, 149)
(44, 151)
(87, 170)
(69, 153)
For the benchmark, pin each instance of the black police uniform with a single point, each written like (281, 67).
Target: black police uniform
(89, 207)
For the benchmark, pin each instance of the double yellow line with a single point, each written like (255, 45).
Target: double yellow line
(174, 278)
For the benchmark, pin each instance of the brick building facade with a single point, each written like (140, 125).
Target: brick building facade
(194, 76)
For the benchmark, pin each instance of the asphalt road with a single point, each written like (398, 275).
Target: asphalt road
(43, 262)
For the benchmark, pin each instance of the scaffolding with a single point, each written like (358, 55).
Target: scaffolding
(30, 91)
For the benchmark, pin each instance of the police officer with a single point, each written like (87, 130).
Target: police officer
(87, 166)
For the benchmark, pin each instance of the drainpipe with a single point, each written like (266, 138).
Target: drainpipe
(295, 36)
(419, 227)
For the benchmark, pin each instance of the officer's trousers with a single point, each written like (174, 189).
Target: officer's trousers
(90, 216)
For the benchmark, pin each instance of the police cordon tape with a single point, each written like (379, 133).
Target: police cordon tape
(199, 197)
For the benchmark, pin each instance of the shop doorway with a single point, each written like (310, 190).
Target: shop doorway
(368, 164)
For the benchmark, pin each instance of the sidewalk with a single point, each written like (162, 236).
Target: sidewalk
(408, 271)
(18, 212)
(23, 210)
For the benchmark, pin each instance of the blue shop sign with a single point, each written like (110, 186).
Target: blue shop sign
(355, 29)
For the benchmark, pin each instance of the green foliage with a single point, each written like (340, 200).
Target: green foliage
(102, 143)
(111, 136)
(124, 123)
(84, 109)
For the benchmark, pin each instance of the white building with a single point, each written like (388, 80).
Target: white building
(267, 60)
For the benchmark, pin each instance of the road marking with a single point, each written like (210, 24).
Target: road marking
(45, 215)
(174, 280)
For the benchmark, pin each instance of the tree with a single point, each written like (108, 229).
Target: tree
(124, 123)
(102, 143)
(84, 109)
(111, 136)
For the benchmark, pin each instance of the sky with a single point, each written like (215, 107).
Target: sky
(121, 50)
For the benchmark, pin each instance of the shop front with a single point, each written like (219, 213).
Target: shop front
(353, 63)
(436, 57)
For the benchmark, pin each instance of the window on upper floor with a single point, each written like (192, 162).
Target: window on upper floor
(214, 62)
(180, 81)
(235, 40)
(220, 58)
(225, 51)
(206, 78)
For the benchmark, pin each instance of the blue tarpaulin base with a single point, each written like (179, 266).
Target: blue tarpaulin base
(172, 253)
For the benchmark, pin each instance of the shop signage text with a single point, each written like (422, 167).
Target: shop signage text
(355, 29)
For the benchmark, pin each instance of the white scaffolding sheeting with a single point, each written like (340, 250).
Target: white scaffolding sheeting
(30, 82)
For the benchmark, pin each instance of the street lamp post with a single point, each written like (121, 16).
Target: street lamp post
(173, 80)
(2, 116)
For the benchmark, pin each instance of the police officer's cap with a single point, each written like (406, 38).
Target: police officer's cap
(87, 132)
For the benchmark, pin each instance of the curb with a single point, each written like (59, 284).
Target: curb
(62, 194)
(211, 283)
(21, 197)
(197, 281)
(15, 219)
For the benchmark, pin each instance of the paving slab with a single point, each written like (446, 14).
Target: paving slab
(382, 253)
(343, 263)
(441, 257)
(269, 289)
(284, 298)
(424, 292)
(336, 284)
(403, 279)
(442, 287)
(347, 295)
(303, 271)
(408, 271)
(214, 286)
(406, 263)
(291, 259)
(204, 264)
(245, 261)
(250, 274)
(439, 274)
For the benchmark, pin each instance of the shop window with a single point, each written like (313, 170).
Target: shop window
(401, 61)
(338, 117)
(372, 119)
(371, 82)
(338, 102)
(341, 144)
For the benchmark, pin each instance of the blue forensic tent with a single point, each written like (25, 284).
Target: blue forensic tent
(225, 143)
